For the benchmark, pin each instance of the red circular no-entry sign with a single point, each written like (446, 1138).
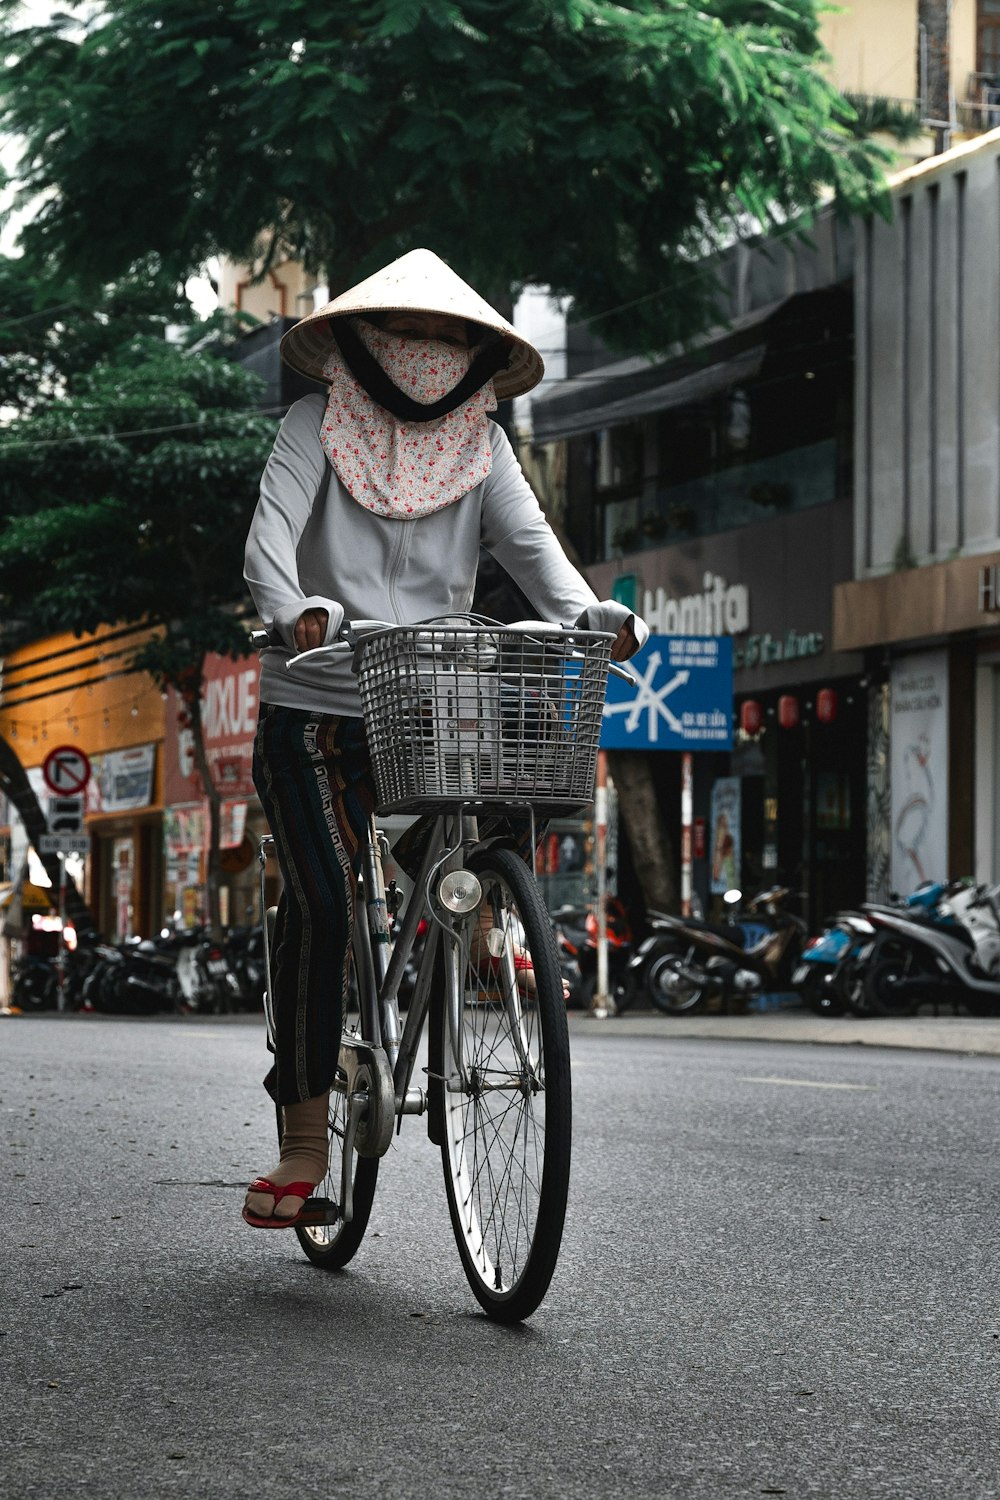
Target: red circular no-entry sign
(66, 770)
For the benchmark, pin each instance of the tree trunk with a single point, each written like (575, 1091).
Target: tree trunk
(214, 813)
(14, 782)
(652, 847)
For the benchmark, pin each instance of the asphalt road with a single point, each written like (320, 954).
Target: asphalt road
(779, 1276)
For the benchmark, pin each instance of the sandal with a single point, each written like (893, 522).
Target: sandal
(313, 1211)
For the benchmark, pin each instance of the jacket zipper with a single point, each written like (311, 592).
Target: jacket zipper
(400, 550)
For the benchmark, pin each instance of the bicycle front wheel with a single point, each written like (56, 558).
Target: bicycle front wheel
(506, 1092)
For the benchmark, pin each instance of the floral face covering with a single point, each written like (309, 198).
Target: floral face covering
(406, 469)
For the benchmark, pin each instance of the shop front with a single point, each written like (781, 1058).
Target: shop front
(931, 638)
(787, 805)
(229, 719)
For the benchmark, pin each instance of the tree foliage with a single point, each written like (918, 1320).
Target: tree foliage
(128, 497)
(596, 146)
(126, 490)
(53, 331)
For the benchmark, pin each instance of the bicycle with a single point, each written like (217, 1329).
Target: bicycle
(463, 719)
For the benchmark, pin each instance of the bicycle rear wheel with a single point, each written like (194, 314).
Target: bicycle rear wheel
(507, 1111)
(331, 1246)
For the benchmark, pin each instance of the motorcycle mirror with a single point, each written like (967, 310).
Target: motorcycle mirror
(732, 897)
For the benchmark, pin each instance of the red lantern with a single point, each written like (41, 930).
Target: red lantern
(826, 705)
(788, 711)
(750, 716)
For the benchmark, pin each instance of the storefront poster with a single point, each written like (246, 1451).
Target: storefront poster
(725, 850)
(123, 860)
(919, 770)
(121, 780)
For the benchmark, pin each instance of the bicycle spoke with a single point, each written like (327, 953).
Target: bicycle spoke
(506, 1170)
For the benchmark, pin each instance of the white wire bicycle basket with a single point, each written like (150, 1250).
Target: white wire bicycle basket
(487, 713)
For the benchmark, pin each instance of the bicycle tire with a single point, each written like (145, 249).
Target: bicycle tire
(331, 1246)
(507, 1130)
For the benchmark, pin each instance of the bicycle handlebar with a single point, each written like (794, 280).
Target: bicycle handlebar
(352, 632)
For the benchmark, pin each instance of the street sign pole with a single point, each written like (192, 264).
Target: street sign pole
(602, 1004)
(687, 801)
(61, 961)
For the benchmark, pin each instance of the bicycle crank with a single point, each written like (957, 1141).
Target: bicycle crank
(371, 1096)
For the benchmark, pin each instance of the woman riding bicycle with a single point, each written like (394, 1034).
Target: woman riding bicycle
(374, 504)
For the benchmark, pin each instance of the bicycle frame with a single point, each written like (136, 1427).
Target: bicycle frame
(380, 959)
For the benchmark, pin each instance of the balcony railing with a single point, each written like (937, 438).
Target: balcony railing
(794, 480)
(981, 109)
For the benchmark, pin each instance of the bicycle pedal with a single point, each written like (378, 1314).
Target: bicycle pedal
(317, 1211)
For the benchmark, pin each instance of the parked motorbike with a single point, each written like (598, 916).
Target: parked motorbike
(244, 953)
(576, 941)
(953, 958)
(34, 983)
(207, 981)
(52, 983)
(830, 976)
(825, 977)
(133, 978)
(685, 960)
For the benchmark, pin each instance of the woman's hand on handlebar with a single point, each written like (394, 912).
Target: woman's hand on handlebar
(624, 644)
(310, 629)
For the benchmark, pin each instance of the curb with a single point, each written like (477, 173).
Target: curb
(958, 1034)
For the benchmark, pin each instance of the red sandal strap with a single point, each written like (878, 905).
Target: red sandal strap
(279, 1191)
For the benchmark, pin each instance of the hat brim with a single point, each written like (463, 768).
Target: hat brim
(417, 282)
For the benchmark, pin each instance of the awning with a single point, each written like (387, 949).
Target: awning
(632, 388)
(725, 356)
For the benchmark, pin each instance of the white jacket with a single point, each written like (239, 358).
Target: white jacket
(311, 546)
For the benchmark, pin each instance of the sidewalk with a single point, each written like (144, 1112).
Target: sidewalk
(922, 1032)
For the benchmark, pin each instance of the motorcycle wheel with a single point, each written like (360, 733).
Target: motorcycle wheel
(35, 991)
(820, 996)
(621, 990)
(670, 990)
(881, 992)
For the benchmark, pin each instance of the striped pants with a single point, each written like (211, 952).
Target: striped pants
(314, 779)
(313, 776)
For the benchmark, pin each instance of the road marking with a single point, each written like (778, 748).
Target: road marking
(809, 1083)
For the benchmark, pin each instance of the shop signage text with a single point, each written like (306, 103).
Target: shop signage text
(723, 608)
(229, 720)
(720, 609)
(761, 650)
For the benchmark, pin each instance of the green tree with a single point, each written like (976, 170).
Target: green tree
(127, 499)
(53, 332)
(600, 147)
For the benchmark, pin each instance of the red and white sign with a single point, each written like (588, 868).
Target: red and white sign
(66, 770)
(229, 722)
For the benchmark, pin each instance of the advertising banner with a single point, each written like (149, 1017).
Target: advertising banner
(725, 851)
(122, 780)
(919, 769)
(229, 720)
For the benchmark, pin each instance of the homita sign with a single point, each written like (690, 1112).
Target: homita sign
(720, 609)
(723, 609)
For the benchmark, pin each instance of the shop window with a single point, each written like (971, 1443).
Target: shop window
(988, 39)
(618, 458)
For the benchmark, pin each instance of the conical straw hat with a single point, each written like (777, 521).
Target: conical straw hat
(417, 282)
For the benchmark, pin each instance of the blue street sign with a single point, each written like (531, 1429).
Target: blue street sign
(683, 699)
